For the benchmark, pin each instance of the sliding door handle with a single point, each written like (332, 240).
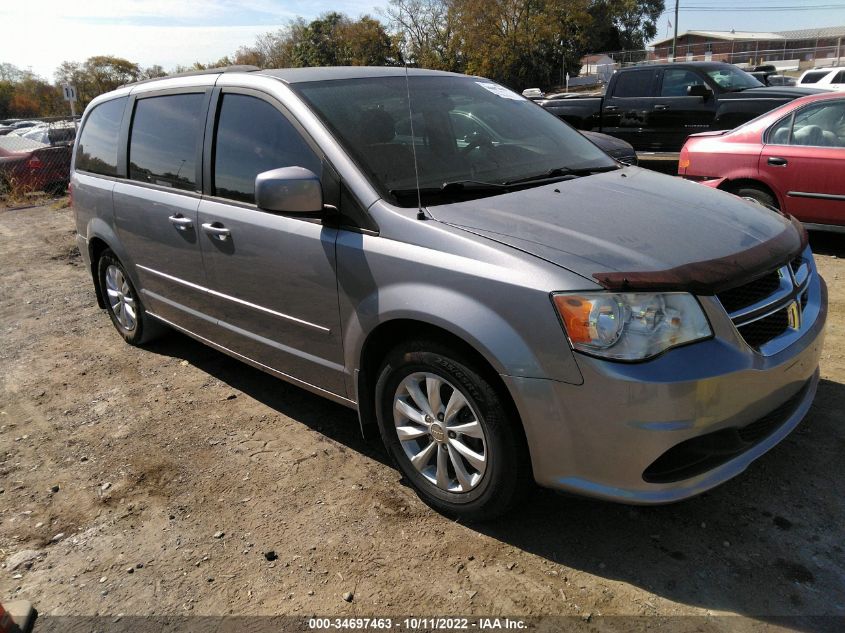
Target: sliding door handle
(181, 222)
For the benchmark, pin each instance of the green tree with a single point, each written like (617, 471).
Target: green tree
(98, 74)
(24, 94)
(333, 39)
(623, 24)
(426, 33)
(521, 43)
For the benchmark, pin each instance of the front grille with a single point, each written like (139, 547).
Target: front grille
(761, 309)
(705, 452)
(763, 330)
(750, 293)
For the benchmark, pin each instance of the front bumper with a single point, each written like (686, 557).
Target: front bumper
(599, 438)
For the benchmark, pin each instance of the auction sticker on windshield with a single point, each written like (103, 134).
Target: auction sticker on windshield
(501, 91)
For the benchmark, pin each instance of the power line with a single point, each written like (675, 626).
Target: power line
(817, 7)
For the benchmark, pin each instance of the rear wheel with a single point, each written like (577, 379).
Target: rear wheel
(757, 193)
(123, 304)
(447, 429)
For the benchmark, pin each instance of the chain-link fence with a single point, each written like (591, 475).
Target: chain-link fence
(35, 157)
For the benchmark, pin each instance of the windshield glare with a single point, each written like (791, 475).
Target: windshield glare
(730, 79)
(462, 128)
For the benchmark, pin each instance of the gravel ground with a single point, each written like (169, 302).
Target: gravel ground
(173, 480)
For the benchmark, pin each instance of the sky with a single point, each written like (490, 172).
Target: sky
(40, 35)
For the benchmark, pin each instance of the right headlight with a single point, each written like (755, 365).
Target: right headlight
(630, 325)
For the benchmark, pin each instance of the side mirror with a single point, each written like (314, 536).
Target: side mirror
(289, 190)
(699, 90)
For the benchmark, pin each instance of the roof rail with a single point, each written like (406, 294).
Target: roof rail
(207, 71)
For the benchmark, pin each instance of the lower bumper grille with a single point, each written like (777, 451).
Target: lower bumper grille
(705, 452)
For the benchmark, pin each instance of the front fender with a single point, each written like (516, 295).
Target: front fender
(498, 341)
(494, 298)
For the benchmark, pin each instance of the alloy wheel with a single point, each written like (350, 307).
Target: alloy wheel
(121, 299)
(440, 431)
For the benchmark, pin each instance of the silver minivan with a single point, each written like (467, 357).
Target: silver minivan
(504, 302)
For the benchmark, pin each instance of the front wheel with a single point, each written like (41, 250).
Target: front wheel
(446, 427)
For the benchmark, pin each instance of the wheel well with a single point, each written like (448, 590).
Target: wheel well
(735, 185)
(96, 246)
(388, 335)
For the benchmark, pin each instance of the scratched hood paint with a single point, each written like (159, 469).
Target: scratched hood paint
(627, 220)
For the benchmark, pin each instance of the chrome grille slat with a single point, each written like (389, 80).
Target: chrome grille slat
(766, 318)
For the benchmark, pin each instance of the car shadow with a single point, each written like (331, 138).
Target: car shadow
(767, 544)
(827, 243)
(333, 420)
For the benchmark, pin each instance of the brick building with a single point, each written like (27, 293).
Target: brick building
(806, 47)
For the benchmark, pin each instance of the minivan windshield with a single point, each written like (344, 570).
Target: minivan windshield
(472, 137)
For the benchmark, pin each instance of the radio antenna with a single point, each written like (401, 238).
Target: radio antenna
(420, 213)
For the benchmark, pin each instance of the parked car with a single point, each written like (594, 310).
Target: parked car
(655, 107)
(469, 127)
(780, 80)
(827, 78)
(28, 165)
(792, 158)
(499, 311)
(55, 133)
(615, 147)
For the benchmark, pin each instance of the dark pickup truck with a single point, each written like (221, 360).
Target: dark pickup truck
(655, 107)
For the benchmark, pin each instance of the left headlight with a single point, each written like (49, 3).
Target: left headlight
(630, 326)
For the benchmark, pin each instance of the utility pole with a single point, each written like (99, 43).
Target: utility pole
(675, 39)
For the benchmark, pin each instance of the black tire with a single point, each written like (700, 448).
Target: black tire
(507, 475)
(145, 327)
(757, 193)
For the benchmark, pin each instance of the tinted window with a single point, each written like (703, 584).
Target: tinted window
(97, 150)
(812, 78)
(676, 80)
(839, 78)
(164, 141)
(636, 83)
(252, 137)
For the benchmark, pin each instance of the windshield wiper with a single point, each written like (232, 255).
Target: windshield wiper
(479, 186)
(560, 173)
(452, 186)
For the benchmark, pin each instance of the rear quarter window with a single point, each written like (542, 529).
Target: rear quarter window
(97, 150)
(813, 78)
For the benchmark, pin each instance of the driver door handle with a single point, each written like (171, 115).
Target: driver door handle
(181, 222)
(661, 106)
(216, 230)
(777, 161)
(611, 108)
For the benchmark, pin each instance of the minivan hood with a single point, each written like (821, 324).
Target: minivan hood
(636, 222)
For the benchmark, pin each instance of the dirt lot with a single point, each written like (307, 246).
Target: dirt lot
(154, 481)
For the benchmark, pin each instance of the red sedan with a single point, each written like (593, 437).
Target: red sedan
(27, 165)
(792, 158)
